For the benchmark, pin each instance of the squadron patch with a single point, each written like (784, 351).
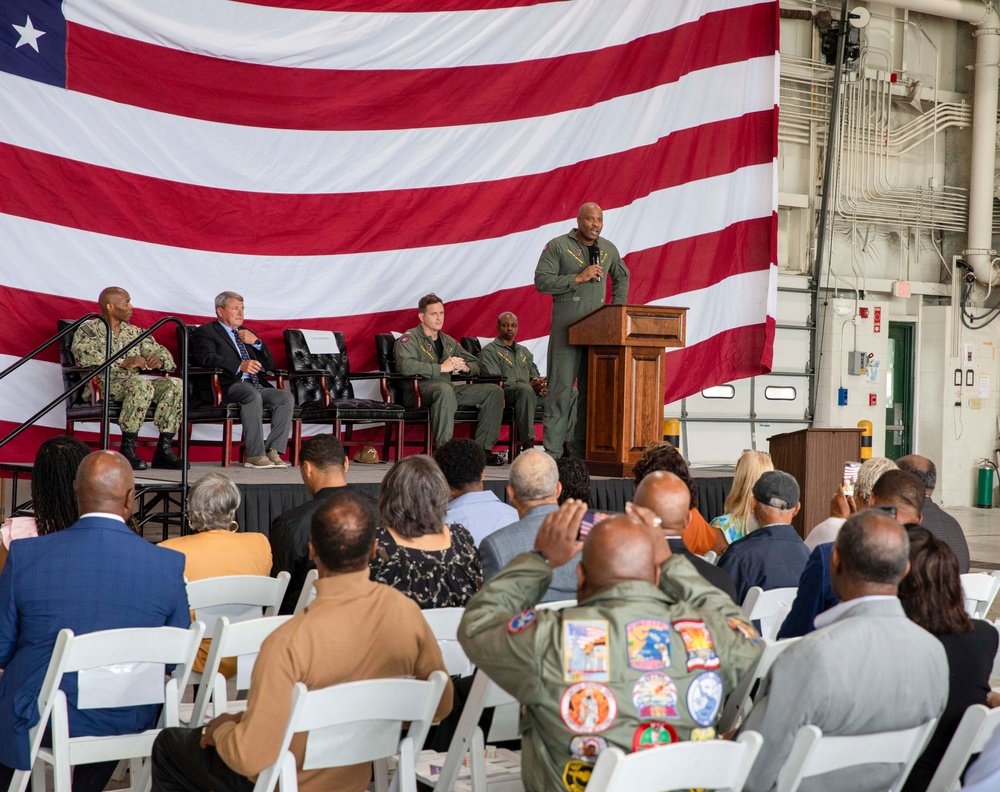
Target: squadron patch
(585, 650)
(702, 735)
(650, 735)
(743, 628)
(648, 644)
(404, 339)
(521, 621)
(655, 697)
(587, 748)
(576, 775)
(704, 697)
(588, 708)
(699, 644)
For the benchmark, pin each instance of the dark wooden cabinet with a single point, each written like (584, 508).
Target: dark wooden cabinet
(816, 458)
(625, 369)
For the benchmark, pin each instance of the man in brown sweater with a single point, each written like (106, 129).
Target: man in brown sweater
(354, 629)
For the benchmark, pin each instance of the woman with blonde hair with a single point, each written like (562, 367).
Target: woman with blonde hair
(738, 520)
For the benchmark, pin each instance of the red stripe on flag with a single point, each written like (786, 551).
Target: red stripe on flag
(680, 266)
(187, 84)
(397, 6)
(89, 197)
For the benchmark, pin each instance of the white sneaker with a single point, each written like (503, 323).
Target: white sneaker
(259, 462)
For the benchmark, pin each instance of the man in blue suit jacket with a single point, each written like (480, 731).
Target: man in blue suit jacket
(95, 575)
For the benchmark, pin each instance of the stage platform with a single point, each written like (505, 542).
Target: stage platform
(267, 493)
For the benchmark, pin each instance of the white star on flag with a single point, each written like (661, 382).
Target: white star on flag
(28, 34)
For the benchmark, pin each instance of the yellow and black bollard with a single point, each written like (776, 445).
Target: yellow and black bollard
(672, 432)
(866, 439)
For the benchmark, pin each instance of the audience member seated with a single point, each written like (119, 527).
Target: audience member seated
(575, 479)
(434, 564)
(51, 492)
(774, 555)
(843, 506)
(938, 522)
(94, 575)
(355, 629)
(739, 520)
(216, 548)
(897, 492)
(668, 497)
(534, 490)
(983, 775)
(463, 463)
(323, 467)
(699, 536)
(867, 668)
(931, 594)
(635, 665)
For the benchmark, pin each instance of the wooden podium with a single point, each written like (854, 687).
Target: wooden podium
(815, 457)
(625, 380)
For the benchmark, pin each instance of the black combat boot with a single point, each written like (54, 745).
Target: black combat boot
(127, 450)
(164, 456)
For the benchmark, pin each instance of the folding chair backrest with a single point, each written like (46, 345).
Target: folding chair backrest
(711, 557)
(768, 607)
(360, 722)
(979, 590)
(715, 764)
(238, 597)
(557, 605)
(308, 593)
(238, 640)
(739, 702)
(974, 731)
(814, 753)
(444, 624)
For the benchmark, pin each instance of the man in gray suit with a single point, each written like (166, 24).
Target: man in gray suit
(534, 491)
(845, 677)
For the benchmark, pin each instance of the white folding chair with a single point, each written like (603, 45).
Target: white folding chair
(979, 590)
(111, 662)
(814, 753)
(241, 640)
(769, 608)
(469, 740)
(715, 764)
(358, 722)
(973, 732)
(308, 593)
(444, 624)
(739, 703)
(557, 604)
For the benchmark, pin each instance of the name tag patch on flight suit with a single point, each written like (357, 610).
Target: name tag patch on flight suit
(699, 644)
(743, 628)
(650, 735)
(704, 697)
(585, 650)
(576, 775)
(655, 697)
(587, 748)
(588, 708)
(521, 621)
(648, 644)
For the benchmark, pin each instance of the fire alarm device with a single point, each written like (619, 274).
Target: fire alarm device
(878, 319)
(872, 400)
(863, 313)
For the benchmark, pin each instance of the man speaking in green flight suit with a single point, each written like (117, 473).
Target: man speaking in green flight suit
(572, 269)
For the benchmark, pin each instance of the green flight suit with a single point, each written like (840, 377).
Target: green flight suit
(416, 356)
(563, 259)
(128, 386)
(517, 365)
(671, 654)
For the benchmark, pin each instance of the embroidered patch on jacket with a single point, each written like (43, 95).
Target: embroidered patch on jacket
(648, 644)
(588, 708)
(585, 650)
(704, 698)
(655, 696)
(650, 735)
(699, 644)
(521, 621)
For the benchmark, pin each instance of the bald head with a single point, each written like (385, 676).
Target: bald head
(669, 498)
(104, 483)
(922, 468)
(589, 208)
(110, 292)
(616, 551)
(870, 556)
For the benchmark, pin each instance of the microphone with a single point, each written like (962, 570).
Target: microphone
(597, 255)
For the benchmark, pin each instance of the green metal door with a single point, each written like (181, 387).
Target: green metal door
(899, 386)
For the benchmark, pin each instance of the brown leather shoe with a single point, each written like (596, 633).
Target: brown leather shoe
(276, 461)
(259, 462)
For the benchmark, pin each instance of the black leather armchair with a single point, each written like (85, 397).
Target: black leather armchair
(323, 390)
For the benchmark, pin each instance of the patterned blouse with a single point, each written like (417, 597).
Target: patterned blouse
(432, 578)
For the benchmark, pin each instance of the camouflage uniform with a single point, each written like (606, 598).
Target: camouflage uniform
(128, 386)
(563, 259)
(517, 365)
(633, 666)
(417, 356)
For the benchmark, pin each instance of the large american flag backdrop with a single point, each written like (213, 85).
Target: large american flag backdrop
(334, 160)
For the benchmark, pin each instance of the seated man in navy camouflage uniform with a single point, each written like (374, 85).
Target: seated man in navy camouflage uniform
(128, 386)
(644, 659)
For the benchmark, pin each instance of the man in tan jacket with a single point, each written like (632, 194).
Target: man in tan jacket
(355, 629)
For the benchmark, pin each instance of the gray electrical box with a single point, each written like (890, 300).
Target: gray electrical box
(856, 362)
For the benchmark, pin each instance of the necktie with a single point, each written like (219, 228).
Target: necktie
(244, 355)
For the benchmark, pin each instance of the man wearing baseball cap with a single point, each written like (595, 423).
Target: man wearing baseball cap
(774, 555)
